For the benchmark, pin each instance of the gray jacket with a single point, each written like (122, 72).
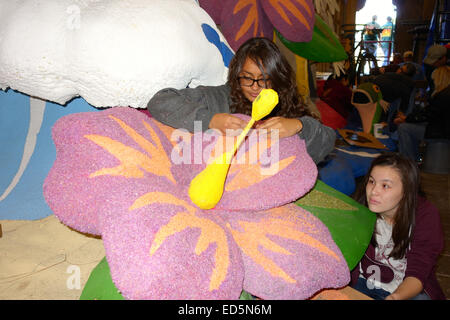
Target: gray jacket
(180, 108)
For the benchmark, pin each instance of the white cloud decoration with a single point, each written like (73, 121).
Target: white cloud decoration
(110, 52)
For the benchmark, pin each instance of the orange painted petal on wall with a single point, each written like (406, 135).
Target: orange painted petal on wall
(244, 19)
(214, 9)
(294, 19)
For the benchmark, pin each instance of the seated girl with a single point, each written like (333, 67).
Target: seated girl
(401, 259)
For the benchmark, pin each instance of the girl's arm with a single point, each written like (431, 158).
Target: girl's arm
(409, 288)
(319, 138)
(182, 108)
(426, 245)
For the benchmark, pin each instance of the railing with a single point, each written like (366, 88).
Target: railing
(361, 60)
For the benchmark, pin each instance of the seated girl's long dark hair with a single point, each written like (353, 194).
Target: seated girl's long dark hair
(266, 54)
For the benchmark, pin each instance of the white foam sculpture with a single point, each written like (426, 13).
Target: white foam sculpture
(110, 52)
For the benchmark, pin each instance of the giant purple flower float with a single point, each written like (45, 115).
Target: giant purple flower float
(124, 176)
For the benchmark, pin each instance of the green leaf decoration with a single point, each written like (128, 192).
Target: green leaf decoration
(100, 285)
(323, 47)
(350, 223)
(320, 199)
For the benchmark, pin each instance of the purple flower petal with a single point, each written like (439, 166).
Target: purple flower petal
(288, 253)
(242, 20)
(294, 19)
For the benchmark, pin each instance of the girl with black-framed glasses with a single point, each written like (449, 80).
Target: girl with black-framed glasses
(257, 64)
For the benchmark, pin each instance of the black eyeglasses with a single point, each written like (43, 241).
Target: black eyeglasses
(248, 82)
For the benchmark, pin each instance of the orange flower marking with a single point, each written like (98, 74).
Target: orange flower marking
(305, 5)
(167, 131)
(248, 169)
(253, 155)
(210, 233)
(223, 144)
(252, 17)
(290, 213)
(246, 166)
(255, 235)
(160, 197)
(252, 174)
(132, 160)
(276, 4)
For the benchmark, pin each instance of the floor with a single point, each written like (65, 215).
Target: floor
(437, 190)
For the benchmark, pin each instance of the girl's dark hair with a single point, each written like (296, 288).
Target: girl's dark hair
(404, 219)
(274, 66)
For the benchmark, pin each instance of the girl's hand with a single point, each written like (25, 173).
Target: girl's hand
(409, 288)
(287, 126)
(224, 121)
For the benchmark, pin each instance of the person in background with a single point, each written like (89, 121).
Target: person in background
(387, 35)
(437, 55)
(432, 122)
(447, 46)
(408, 57)
(337, 94)
(400, 261)
(438, 126)
(397, 85)
(257, 64)
(397, 58)
(371, 36)
(394, 65)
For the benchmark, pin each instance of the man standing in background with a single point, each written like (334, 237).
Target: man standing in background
(371, 36)
(387, 36)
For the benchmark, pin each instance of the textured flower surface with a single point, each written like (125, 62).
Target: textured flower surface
(244, 19)
(124, 176)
